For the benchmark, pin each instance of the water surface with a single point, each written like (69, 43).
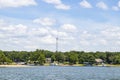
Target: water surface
(60, 73)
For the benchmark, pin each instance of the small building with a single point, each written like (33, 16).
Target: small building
(98, 61)
(48, 60)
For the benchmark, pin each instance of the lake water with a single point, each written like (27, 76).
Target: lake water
(60, 73)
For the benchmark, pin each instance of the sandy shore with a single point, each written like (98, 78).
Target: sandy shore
(15, 66)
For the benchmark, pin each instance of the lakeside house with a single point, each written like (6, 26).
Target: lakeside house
(48, 60)
(99, 62)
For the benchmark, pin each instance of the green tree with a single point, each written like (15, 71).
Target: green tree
(53, 58)
(38, 57)
(86, 57)
(3, 58)
(73, 58)
(41, 59)
(60, 57)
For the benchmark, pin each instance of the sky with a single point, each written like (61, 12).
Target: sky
(82, 25)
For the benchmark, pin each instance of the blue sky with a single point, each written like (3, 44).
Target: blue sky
(83, 25)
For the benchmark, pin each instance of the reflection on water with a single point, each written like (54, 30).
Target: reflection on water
(60, 73)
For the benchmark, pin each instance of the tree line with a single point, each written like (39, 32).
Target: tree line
(38, 57)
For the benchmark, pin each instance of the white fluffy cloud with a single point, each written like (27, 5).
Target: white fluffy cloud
(84, 43)
(49, 39)
(53, 1)
(2, 22)
(16, 3)
(32, 47)
(85, 4)
(62, 6)
(58, 4)
(69, 27)
(11, 36)
(112, 33)
(24, 37)
(119, 4)
(102, 5)
(14, 29)
(115, 8)
(38, 32)
(103, 41)
(45, 21)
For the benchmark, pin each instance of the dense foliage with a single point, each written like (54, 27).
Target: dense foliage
(72, 57)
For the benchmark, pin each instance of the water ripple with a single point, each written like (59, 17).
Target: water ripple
(60, 73)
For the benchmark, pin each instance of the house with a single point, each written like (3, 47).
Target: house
(98, 61)
(48, 60)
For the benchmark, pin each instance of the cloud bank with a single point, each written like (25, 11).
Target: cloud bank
(16, 3)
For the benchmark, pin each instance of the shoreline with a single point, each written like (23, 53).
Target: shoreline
(19, 65)
(15, 66)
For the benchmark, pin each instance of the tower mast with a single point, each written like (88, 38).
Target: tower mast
(56, 44)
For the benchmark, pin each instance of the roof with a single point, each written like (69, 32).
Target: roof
(98, 60)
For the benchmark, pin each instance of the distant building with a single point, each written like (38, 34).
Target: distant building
(98, 61)
(48, 60)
